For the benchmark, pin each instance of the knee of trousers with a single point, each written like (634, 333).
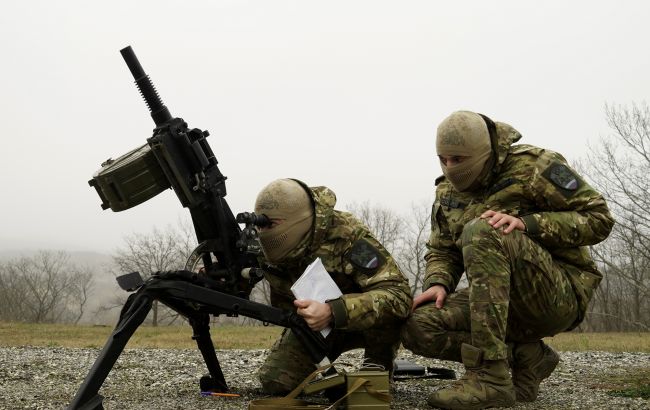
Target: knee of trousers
(277, 381)
(285, 367)
(424, 333)
(476, 230)
(273, 387)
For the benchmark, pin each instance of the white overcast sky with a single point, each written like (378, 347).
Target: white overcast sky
(346, 94)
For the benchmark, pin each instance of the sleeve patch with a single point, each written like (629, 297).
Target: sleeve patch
(365, 256)
(562, 177)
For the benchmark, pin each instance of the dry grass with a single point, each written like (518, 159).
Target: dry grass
(606, 342)
(631, 383)
(54, 335)
(256, 337)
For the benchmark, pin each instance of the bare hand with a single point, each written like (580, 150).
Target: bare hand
(317, 315)
(435, 292)
(498, 219)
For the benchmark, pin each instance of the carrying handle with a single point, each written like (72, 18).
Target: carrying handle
(295, 392)
(357, 384)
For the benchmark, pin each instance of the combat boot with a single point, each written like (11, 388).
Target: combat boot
(531, 363)
(486, 383)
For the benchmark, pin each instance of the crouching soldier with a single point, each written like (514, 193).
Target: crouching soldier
(517, 220)
(376, 296)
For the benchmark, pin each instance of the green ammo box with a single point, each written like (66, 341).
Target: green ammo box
(324, 382)
(364, 397)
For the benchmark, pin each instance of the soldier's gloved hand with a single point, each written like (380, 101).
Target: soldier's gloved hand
(437, 293)
(317, 315)
(498, 219)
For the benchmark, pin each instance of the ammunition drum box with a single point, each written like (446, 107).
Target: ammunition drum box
(129, 180)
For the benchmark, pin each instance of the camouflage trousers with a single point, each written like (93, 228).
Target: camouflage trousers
(288, 363)
(516, 293)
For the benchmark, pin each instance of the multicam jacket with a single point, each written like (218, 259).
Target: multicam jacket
(560, 210)
(375, 292)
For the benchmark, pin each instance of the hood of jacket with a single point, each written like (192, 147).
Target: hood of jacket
(323, 200)
(502, 136)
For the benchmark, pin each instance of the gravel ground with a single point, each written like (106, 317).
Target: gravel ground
(47, 378)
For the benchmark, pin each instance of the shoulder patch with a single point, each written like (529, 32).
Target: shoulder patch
(562, 177)
(365, 256)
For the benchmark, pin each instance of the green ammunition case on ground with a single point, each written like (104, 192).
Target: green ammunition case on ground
(372, 395)
(324, 383)
(372, 390)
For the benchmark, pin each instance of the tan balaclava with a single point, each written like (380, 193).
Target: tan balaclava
(465, 134)
(284, 199)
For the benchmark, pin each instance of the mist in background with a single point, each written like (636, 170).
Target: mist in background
(346, 94)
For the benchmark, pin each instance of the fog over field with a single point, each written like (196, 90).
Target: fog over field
(104, 289)
(339, 93)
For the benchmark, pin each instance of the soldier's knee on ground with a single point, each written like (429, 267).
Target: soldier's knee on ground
(276, 381)
(274, 388)
(286, 365)
(410, 334)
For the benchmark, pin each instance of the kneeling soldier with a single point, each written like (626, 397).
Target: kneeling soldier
(376, 295)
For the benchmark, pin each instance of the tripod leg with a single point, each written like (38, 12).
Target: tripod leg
(216, 382)
(133, 314)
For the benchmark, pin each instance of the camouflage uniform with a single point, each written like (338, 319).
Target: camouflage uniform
(523, 286)
(376, 297)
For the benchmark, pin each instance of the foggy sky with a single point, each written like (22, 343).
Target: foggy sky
(346, 94)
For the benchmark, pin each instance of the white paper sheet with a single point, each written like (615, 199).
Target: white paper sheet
(315, 283)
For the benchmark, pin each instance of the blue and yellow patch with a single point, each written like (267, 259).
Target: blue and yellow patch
(563, 178)
(365, 257)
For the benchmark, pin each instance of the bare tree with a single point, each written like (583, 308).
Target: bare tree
(157, 251)
(414, 238)
(404, 237)
(164, 250)
(619, 167)
(385, 225)
(81, 291)
(12, 292)
(44, 288)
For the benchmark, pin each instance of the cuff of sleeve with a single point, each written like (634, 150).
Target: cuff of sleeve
(435, 280)
(340, 312)
(532, 226)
